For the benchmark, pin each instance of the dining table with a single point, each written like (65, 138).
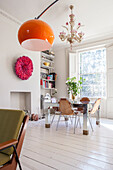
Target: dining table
(77, 104)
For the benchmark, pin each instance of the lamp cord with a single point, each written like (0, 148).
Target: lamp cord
(46, 9)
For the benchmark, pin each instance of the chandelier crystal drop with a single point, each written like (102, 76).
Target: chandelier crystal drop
(72, 34)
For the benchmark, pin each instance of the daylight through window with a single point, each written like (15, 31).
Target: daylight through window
(93, 70)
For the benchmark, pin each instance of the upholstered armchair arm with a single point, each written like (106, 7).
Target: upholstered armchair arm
(8, 144)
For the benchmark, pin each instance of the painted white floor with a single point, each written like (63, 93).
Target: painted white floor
(47, 149)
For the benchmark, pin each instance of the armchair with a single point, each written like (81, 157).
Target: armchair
(12, 131)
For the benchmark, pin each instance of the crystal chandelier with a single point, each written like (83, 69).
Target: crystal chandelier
(72, 34)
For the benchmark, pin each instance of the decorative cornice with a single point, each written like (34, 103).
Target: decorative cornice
(105, 41)
(10, 17)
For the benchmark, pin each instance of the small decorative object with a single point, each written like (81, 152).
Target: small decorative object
(44, 75)
(47, 98)
(73, 34)
(73, 86)
(54, 76)
(53, 100)
(24, 67)
(50, 77)
(49, 52)
(32, 116)
(46, 64)
(36, 117)
(55, 91)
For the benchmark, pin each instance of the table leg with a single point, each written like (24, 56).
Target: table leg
(98, 116)
(47, 119)
(85, 114)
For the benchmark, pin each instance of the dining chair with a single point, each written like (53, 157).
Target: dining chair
(65, 109)
(57, 112)
(90, 112)
(93, 111)
(85, 100)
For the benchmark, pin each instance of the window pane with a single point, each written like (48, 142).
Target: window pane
(93, 61)
(87, 91)
(93, 91)
(94, 79)
(93, 70)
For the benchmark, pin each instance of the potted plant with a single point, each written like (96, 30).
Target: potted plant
(73, 86)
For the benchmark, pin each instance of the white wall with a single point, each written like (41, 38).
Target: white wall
(61, 68)
(10, 50)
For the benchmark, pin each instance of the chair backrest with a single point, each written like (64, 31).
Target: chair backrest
(65, 107)
(96, 105)
(85, 100)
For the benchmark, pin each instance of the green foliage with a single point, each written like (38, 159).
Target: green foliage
(74, 86)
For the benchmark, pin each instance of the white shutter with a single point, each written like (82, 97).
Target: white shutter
(72, 65)
(110, 82)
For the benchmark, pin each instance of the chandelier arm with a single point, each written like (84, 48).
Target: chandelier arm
(46, 9)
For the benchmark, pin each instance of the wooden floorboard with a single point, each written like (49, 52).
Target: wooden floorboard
(47, 149)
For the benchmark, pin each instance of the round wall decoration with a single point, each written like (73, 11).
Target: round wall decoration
(24, 67)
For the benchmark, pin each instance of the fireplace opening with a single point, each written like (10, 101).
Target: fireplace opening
(21, 101)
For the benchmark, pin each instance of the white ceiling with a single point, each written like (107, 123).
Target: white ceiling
(96, 15)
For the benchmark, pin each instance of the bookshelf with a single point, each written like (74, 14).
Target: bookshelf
(47, 77)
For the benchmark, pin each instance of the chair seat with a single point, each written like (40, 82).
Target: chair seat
(4, 158)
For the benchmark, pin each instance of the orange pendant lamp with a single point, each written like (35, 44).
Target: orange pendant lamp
(35, 34)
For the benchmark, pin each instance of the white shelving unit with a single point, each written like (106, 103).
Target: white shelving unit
(46, 70)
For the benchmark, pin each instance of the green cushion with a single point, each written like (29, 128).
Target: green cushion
(4, 158)
(10, 123)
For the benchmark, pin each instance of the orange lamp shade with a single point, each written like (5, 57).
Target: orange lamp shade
(35, 35)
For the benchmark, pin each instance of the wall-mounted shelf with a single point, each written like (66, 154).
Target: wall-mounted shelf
(48, 88)
(48, 56)
(50, 61)
(47, 67)
(47, 79)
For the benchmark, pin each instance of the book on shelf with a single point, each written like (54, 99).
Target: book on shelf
(46, 84)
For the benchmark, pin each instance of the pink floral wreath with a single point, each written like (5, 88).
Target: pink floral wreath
(24, 67)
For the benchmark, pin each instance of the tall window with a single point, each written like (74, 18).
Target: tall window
(93, 70)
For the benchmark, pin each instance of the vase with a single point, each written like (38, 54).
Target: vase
(74, 98)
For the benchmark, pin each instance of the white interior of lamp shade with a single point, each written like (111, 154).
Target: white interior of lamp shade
(36, 45)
